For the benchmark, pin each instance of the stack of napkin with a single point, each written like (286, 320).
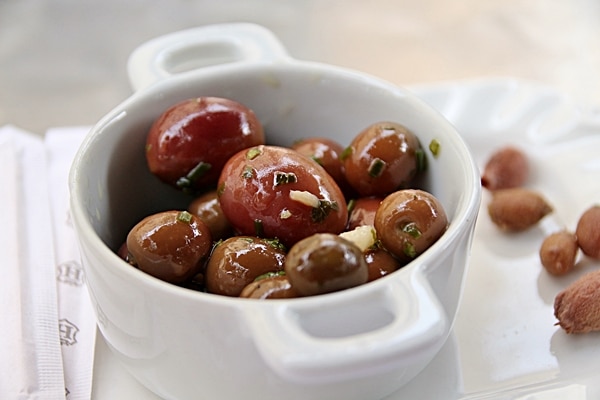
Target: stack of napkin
(48, 328)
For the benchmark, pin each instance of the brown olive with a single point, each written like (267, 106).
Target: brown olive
(170, 245)
(409, 221)
(323, 263)
(207, 208)
(380, 263)
(362, 211)
(384, 157)
(273, 287)
(237, 261)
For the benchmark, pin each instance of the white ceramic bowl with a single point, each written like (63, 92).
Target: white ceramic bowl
(362, 343)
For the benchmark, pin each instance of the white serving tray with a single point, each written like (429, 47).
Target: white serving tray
(504, 344)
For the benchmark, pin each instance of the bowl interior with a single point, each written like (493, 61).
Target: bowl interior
(113, 186)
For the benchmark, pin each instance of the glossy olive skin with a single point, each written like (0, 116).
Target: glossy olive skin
(239, 260)
(383, 158)
(363, 211)
(326, 153)
(275, 287)
(202, 131)
(324, 263)
(258, 191)
(409, 221)
(168, 247)
(208, 209)
(380, 263)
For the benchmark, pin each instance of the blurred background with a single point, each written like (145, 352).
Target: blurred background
(63, 62)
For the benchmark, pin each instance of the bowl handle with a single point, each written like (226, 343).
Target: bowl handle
(203, 47)
(351, 336)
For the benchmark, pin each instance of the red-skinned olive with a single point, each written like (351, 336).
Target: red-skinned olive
(384, 157)
(324, 263)
(271, 191)
(272, 287)
(237, 261)
(362, 211)
(409, 221)
(170, 245)
(190, 142)
(208, 209)
(326, 153)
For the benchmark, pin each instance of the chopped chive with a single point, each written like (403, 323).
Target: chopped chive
(376, 168)
(346, 153)
(281, 178)
(184, 216)
(351, 205)
(221, 189)
(317, 159)
(259, 229)
(253, 152)
(434, 147)
(187, 182)
(321, 212)
(248, 172)
(421, 160)
(409, 250)
(276, 244)
(270, 274)
(412, 230)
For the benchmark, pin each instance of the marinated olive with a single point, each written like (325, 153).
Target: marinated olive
(409, 221)
(380, 263)
(327, 153)
(190, 142)
(323, 263)
(237, 261)
(271, 191)
(362, 211)
(208, 209)
(273, 287)
(384, 157)
(170, 245)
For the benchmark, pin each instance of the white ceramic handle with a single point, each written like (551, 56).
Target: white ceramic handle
(203, 47)
(306, 343)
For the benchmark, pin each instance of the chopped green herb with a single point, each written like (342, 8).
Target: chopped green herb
(376, 168)
(321, 212)
(421, 160)
(317, 159)
(184, 216)
(276, 244)
(434, 147)
(409, 250)
(346, 153)
(351, 205)
(412, 229)
(271, 274)
(248, 172)
(259, 229)
(186, 183)
(253, 152)
(221, 189)
(281, 178)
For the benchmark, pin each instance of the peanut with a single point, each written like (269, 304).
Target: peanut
(577, 308)
(517, 209)
(508, 167)
(588, 232)
(559, 252)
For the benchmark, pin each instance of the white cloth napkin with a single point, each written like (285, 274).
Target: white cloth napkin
(48, 328)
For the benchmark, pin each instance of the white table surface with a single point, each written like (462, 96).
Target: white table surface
(62, 62)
